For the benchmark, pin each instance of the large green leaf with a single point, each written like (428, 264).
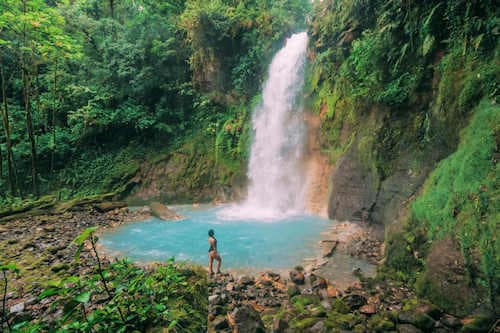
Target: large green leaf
(83, 297)
(84, 235)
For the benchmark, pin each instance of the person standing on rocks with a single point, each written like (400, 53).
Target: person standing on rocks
(212, 253)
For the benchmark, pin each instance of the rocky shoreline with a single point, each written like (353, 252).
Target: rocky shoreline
(307, 299)
(41, 247)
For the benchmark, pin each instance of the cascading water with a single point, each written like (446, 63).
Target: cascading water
(276, 177)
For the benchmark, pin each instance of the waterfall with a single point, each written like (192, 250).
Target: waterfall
(275, 173)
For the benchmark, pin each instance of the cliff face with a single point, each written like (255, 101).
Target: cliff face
(400, 91)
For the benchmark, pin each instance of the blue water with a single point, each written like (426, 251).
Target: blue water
(243, 244)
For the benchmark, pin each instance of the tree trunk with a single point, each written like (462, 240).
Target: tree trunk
(27, 108)
(6, 126)
(112, 8)
(54, 96)
(29, 127)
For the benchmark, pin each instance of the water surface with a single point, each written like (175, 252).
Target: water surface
(243, 244)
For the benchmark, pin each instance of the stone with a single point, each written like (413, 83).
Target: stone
(354, 301)
(214, 299)
(418, 319)
(297, 277)
(326, 305)
(319, 283)
(220, 323)
(17, 308)
(107, 206)
(368, 309)
(332, 292)
(293, 290)
(59, 267)
(355, 186)
(162, 212)
(319, 327)
(450, 321)
(246, 280)
(246, 320)
(279, 325)
(407, 328)
(431, 310)
(328, 247)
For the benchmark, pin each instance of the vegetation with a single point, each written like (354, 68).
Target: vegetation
(90, 89)
(122, 297)
(400, 82)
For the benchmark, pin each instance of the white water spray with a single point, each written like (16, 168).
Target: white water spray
(276, 177)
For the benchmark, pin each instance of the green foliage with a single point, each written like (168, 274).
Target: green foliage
(460, 197)
(121, 297)
(109, 78)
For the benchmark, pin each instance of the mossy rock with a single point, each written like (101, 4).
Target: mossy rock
(302, 324)
(379, 323)
(478, 324)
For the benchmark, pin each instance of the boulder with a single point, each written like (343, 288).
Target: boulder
(450, 321)
(246, 320)
(107, 206)
(407, 328)
(17, 308)
(319, 327)
(279, 325)
(418, 319)
(220, 323)
(354, 301)
(162, 212)
(354, 186)
(246, 280)
(368, 309)
(297, 277)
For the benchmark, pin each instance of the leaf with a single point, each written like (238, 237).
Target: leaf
(172, 324)
(428, 44)
(84, 235)
(83, 297)
(9, 267)
(47, 293)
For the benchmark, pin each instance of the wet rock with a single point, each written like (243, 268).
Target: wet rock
(107, 206)
(354, 301)
(332, 292)
(479, 324)
(407, 328)
(319, 327)
(319, 283)
(326, 305)
(355, 186)
(430, 310)
(220, 323)
(279, 325)
(246, 320)
(418, 319)
(246, 280)
(59, 267)
(297, 277)
(17, 308)
(293, 290)
(450, 321)
(328, 247)
(161, 211)
(214, 299)
(368, 309)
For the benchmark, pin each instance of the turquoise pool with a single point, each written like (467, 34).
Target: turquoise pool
(243, 244)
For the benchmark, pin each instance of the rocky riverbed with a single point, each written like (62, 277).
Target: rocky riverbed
(306, 299)
(303, 302)
(41, 247)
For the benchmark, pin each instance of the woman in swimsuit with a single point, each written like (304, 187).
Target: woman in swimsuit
(212, 253)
